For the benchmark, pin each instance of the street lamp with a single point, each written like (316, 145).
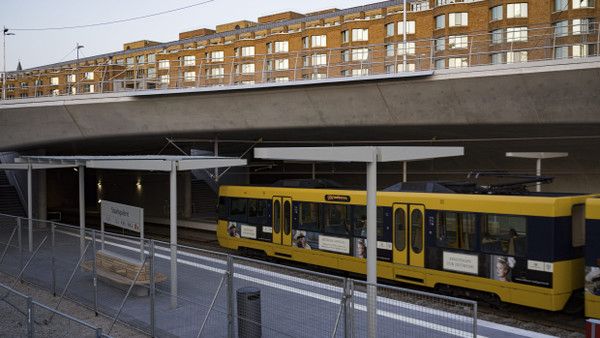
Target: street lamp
(4, 34)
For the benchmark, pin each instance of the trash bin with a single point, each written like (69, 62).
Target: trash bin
(248, 311)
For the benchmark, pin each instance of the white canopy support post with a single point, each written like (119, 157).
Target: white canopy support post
(372, 245)
(30, 205)
(81, 171)
(216, 153)
(173, 223)
(404, 169)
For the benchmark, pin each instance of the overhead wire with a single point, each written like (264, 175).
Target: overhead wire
(112, 22)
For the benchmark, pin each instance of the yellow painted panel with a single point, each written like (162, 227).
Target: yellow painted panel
(592, 306)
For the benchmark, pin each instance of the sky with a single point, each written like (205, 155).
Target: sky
(35, 45)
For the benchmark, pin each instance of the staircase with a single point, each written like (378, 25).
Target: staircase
(9, 199)
(204, 200)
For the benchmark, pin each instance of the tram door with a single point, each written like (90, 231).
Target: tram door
(409, 239)
(282, 220)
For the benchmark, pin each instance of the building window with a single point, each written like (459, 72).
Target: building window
(410, 48)
(440, 64)
(140, 59)
(282, 79)
(514, 34)
(163, 64)
(55, 92)
(497, 59)
(345, 36)
(88, 75)
(496, 13)
(582, 51)
(419, 6)
(120, 62)
(410, 67)
(189, 60)
(516, 57)
(518, 10)
(247, 68)
(89, 88)
(129, 61)
(23, 84)
(582, 26)
(440, 44)
(583, 4)
(389, 50)
(281, 64)
(39, 83)
(164, 79)
(360, 34)
(319, 59)
(457, 41)
(248, 51)
(389, 29)
(461, 62)
(71, 78)
(319, 41)
(410, 27)
(497, 36)
(360, 72)
(440, 21)
(345, 55)
(458, 19)
(151, 57)
(360, 54)
(305, 42)
(217, 72)
(189, 76)
(561, 5)
(318, 76)
(152, 73)
(269, 47)
(281, 46)
(38, 94)
(389, 69)
(217, 56)
(561, 52)
(248, 82)
(54, 81)
(561, 28)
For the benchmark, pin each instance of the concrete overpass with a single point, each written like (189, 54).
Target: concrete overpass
(490, 110)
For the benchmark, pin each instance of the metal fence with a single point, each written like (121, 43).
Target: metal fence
(196, 68)
(24, 317)
(219, 295)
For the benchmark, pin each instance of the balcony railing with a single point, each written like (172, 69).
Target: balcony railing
(531, 44)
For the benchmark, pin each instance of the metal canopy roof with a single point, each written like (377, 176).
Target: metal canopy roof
(146, 162)
(357, 154)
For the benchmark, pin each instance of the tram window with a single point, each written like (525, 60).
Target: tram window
(276, 217)
(456, 230)
(360, 221)
(310, 216)
(257, 211)
(238, 210)
(337, 218)
(359, 217)
(400, 229)
(287, 212)
(222, 208)
(416, 225)
(578, 225)
(505, 235)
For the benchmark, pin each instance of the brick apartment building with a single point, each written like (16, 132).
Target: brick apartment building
(365, 40)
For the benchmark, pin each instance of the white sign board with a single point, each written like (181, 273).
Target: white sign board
(461, 262)
(122, 215)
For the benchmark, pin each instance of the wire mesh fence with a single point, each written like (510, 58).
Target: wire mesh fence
(164, 290)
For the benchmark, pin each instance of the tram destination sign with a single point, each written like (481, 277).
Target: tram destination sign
(337, 198)
(122, 215)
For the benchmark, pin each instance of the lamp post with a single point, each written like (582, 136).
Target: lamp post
(77, 66)
(4, 34)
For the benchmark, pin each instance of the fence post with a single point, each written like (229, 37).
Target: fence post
(349, 308)
(30, 318)
(94, 272)
(20, 244)
(53, 259)
(230, 299)
(152, 290)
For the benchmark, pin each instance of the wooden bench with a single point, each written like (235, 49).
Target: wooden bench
(121, 269)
